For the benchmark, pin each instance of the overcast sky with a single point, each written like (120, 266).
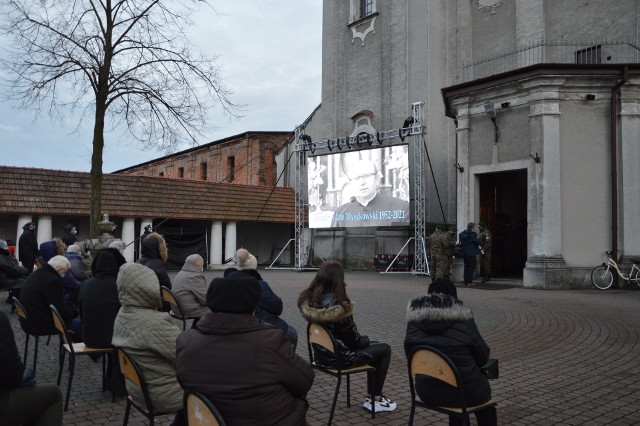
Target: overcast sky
(271, 56)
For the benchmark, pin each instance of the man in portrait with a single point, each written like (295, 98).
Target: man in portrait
(368, 206)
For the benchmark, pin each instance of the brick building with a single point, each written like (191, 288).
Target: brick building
(244, 159)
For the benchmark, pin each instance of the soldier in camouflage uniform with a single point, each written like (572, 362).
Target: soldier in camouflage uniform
(448, 242)
(435, 249)
(485, 258)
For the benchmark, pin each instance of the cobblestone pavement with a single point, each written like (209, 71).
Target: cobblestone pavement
(566, 357)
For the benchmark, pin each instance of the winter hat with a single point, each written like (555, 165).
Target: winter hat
(48, 249)
(28, 225)
(237, 293)
(69, 227)
(443, 286)
(73, 248)
(246, 260)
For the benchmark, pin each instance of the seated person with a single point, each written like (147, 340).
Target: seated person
(190, 287)
(12, 274)
(99, 305)
(441, 320)
(245, 366)
(270, 304)
(22, 402)
(44, 287)
(149, 336)
(326, 302)
(73, 280)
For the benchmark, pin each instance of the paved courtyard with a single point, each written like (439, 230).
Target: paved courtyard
(566, 357)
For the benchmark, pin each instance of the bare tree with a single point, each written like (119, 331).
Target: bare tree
(128, 60)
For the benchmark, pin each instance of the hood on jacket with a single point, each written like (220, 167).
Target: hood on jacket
(327, 314)
(138, 286)
(154, 246)
(107, 262)
(437, 312)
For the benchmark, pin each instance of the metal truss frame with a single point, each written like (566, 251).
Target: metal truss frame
(304, 147)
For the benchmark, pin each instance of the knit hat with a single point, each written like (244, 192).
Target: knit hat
(443, 286)
(69, 227)
(246, 260)
(73, 248)
(48, 249)
(238, 293)
(28, 225)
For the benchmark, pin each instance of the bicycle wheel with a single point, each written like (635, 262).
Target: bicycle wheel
(601, 277)
(636, 277)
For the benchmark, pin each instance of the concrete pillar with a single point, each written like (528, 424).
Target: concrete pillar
(44, 229)
(215, 245)
(22, 220)
(629, 179)
(230, 240)
(529, 21)
(463, 180)
(545, 266)
(128, 238)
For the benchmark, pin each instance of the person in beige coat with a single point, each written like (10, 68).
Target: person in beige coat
(149, 336)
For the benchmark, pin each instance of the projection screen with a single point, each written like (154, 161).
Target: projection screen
(359, 188)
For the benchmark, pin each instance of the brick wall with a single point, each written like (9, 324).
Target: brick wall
(251, 157)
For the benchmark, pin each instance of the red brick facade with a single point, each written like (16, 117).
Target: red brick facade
(245, 159)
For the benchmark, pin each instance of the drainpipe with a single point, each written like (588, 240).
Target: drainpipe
(615, 92)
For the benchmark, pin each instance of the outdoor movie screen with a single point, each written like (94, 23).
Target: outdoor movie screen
(359, 188)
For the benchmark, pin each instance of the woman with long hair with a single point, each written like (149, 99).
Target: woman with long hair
(326, 302)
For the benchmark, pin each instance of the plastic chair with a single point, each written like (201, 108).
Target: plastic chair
(133, 373)
(319, 335)
(168, 296)
(431, 362)
(73, 349)
(22, 313)
(200, 411)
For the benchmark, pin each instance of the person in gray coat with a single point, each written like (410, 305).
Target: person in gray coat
(190, 287)
(149, 336)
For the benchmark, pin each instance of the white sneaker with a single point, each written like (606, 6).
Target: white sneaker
(385, 404)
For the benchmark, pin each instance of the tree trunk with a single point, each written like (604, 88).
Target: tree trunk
(95, 208)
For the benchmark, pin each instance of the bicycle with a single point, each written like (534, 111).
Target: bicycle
(602, 277)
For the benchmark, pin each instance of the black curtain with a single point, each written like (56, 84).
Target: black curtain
(183, 245)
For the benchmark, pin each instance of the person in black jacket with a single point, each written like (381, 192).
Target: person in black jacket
(154, 255)
(70, 235)
(23, 402)
(270, 305)
(11, 273)
(99, 305)
(326, 302)
(471, 246)
(98, 302)
(45, 287)
(439, 319)
(28, 246)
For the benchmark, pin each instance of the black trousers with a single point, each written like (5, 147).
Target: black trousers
(381, 353)
(469, 268)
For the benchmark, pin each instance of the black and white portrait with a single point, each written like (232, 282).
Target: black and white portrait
(359, 188)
